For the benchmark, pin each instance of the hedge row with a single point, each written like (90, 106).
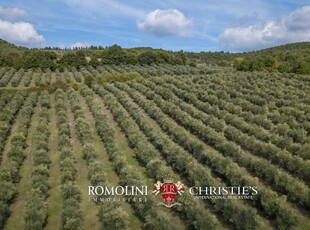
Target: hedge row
(71, 212)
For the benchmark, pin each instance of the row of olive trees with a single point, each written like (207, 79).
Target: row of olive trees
(277, 110)
(71, 211)
(186, 165)
(28, 77)
(284, 92)
(3, 71)
(262, 169)
(294, 164)
(36, 205)
(48, 76)
(5, 98)
(67, 75)
(246, 122)
(287, 108)
(230, 119)
(152, 70)
(153, 218)
(17, 77)
(213, 102)
(78, 76)
(208, 117)
(111, 215)
(226, 110)
(93, 71)
(58, 75)
(156, 169)
(9, 173)
(8, 115)
(216, 161)
(37, 75)
(5, 79)
(259, 167)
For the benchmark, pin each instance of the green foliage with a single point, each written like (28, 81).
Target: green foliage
(72, 58)
(291, 58)
(109, 77)
(112, 217)
(71, 215)
(53, 59)
(147, 58)
(9, 175)
(39, 59)
(36, 211)
(71, 210)
(114, 55)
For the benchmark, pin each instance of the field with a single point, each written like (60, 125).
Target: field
(61, 131)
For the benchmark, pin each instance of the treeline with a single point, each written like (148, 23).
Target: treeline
(53, 59)
(290, 58)
(283, 63)
(219, 58)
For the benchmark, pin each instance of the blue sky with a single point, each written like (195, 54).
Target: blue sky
(228, 25)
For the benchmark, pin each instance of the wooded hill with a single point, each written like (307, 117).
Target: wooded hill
(290, 58)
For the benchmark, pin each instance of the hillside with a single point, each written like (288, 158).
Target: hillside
(290, 58)
(8, 47)
(131, 125)
(298, 47)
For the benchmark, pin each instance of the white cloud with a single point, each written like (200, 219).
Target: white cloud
(166, 22)
(20, 33)
(298, 19)
(12, 14)
(294, 27)
(79, 45)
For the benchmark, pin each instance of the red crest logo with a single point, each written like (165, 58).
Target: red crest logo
(169, 191)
